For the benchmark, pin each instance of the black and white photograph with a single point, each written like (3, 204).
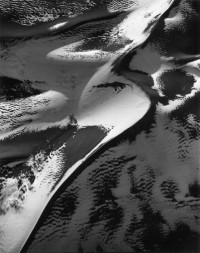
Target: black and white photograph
(99, 126)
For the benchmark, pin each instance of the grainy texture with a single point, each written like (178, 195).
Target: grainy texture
(140, 192)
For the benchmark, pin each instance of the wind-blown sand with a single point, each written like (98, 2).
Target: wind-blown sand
(96, 79)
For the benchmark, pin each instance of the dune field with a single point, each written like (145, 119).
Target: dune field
(99, 126)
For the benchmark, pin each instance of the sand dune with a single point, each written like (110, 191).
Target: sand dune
(98, 72)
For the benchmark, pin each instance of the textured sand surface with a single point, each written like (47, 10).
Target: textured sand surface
(99, 126)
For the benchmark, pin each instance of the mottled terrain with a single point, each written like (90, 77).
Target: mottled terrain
(138, 192)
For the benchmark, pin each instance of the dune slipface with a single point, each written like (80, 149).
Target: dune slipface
(99, 126)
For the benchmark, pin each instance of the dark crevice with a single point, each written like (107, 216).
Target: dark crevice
(11, 88)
